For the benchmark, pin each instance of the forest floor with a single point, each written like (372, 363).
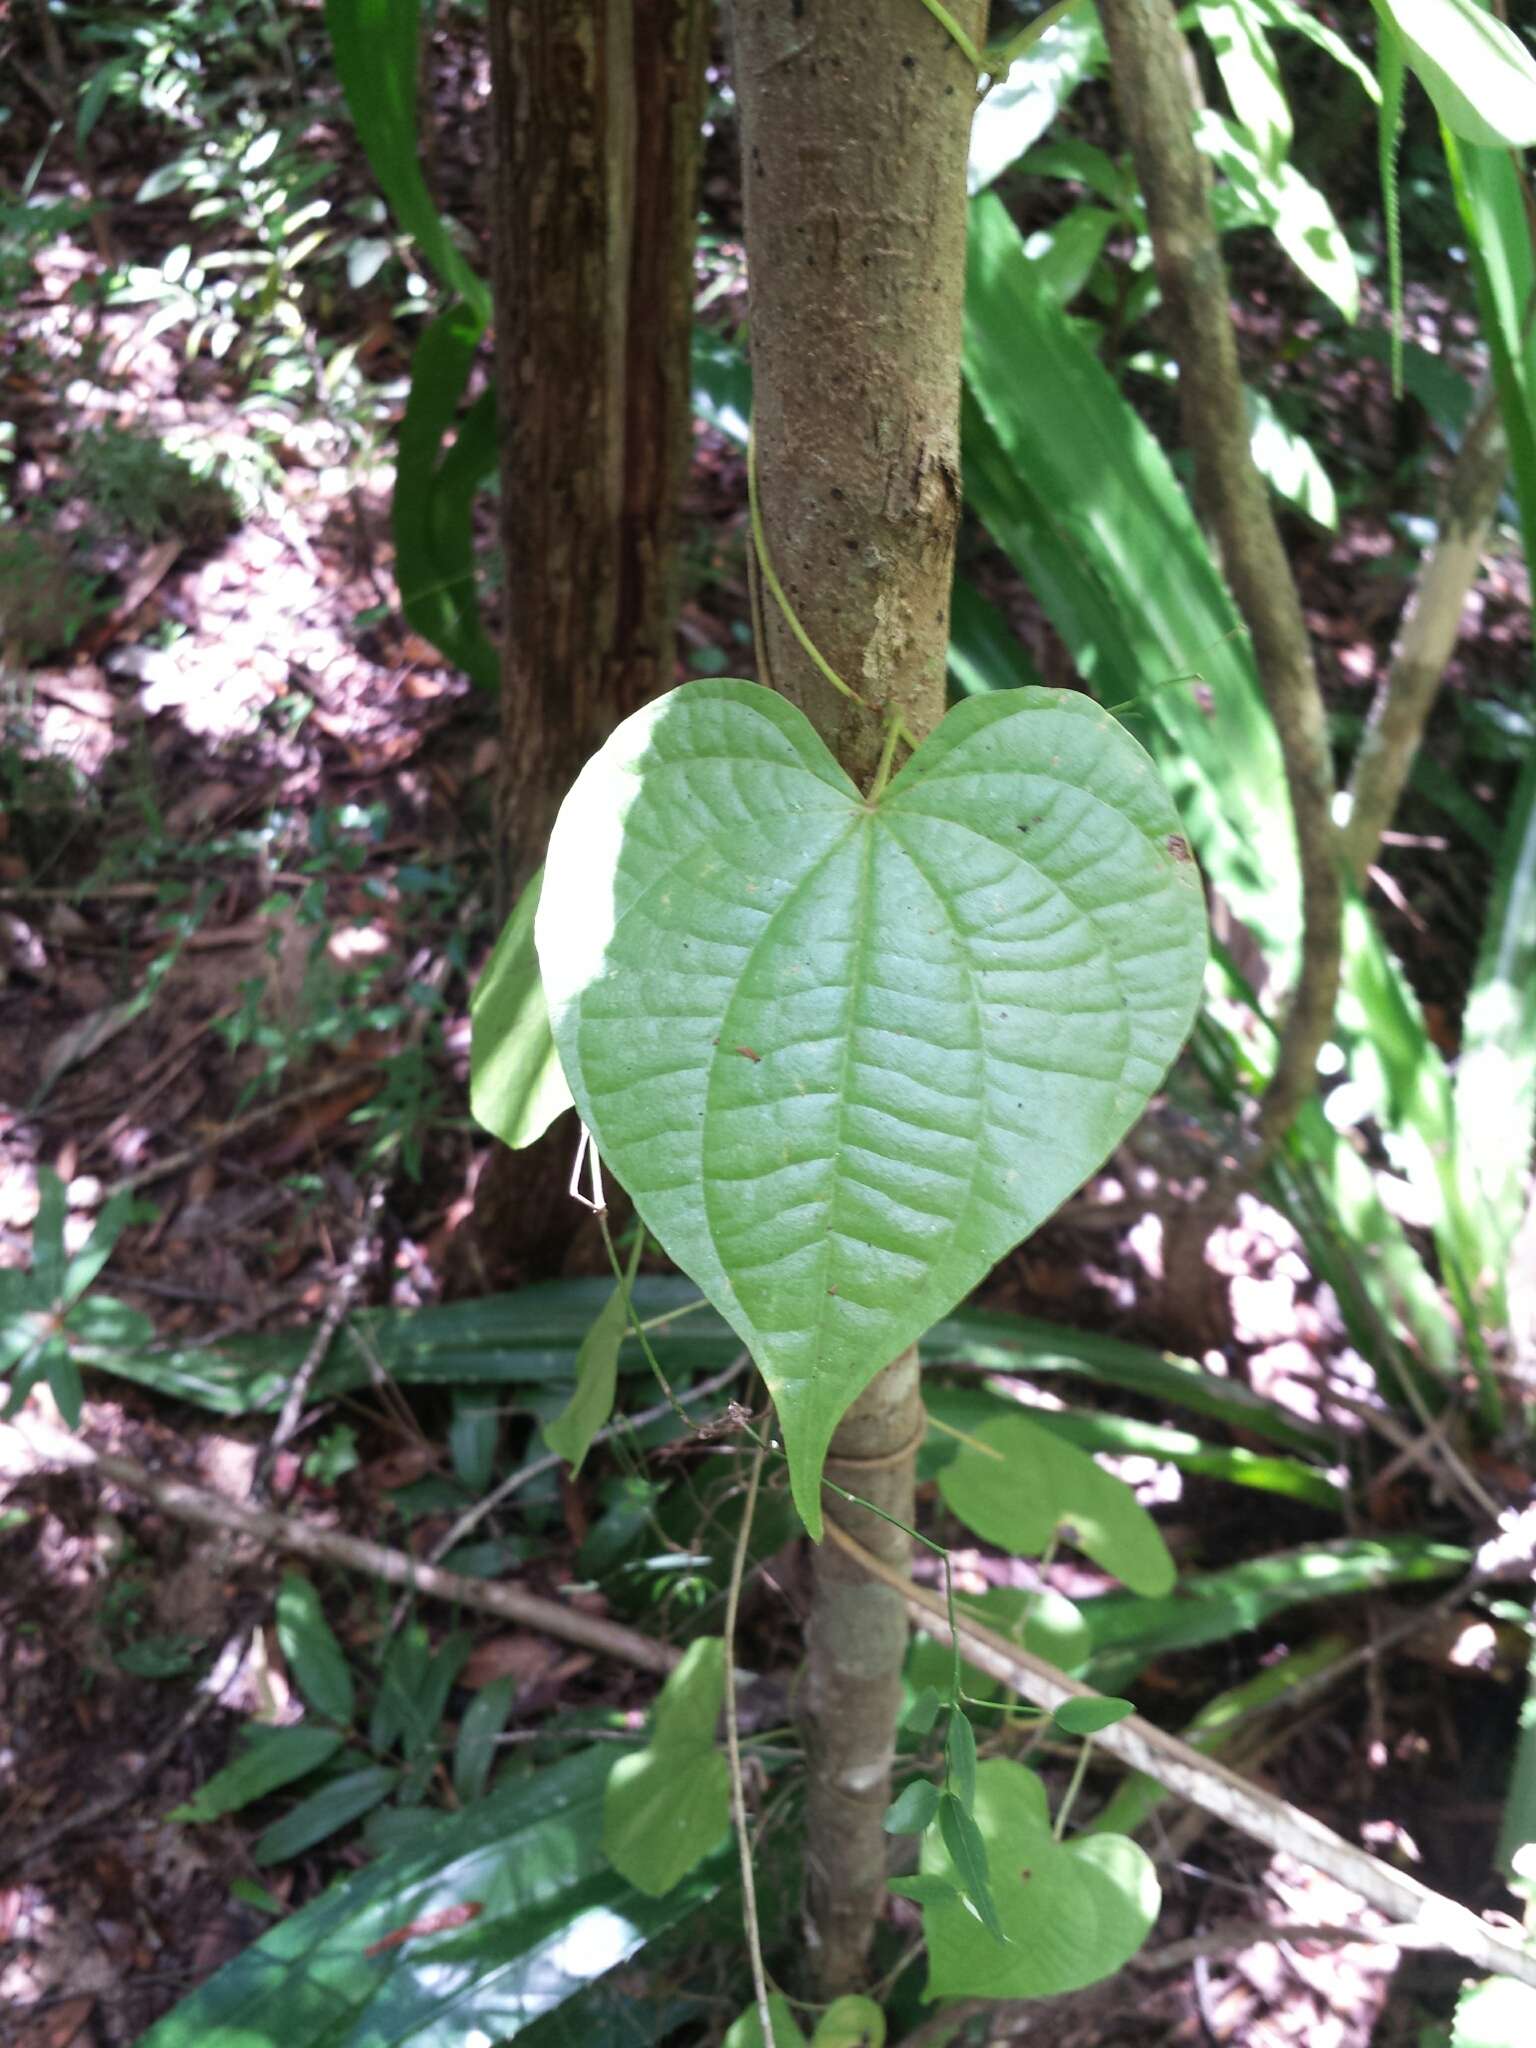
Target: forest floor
(245, 851)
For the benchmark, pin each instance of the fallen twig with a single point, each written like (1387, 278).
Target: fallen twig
(1200, 1779)
(300, 1538)
(342, 1296)
(1232, 1936)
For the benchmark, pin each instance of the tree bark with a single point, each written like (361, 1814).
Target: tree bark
(1150, 74)
(855, 124)
(598, 113)
(1426, 638)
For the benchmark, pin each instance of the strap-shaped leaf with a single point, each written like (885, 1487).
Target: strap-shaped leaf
(844, 1055)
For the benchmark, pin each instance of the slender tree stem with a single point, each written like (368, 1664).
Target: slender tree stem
(856, 251)
(733, 1754)
(1426, 637)
(1151, 68)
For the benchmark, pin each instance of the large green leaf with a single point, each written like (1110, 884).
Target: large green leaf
(1477, 70)
(527, 1916)
(1074, 488)
(845, 1054)
(1278, 197)
(1235, 31)
(1019, 1486)
(1024, 103)
(667, 1805)
(1072, 1912)
(967, 1408)
(377, 46)
(1210, 1606)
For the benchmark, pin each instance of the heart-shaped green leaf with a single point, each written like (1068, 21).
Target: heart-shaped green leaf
(667, 1805)
(1073, 1912)
(1018, 1485)
(844, 1054)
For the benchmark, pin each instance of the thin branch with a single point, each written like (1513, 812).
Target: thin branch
(472, 1517)
(1210, 1785)
(733, 1755)
(1150, 69)
(1232, 1936)
(300, 1538)
(343, 1294)
(1426, 636)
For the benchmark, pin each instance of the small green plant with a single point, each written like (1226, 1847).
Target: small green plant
(351, 1755)
(46, 598)
(136, 484)
(47, 1310)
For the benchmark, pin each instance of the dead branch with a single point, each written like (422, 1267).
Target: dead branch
(300, 1538)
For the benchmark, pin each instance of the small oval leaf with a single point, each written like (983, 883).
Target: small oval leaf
(912, 1808)
(1087, 1717)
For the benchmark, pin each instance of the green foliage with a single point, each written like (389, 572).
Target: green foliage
(46, 1312)
(668, 1805)
(1070, 1913)
(269, 1759)
(480, 1923)
(1496, 2013)
(1020, 1487)
(376, 44)
(597, 1374)
(516, 1084)
(776, 1114)
(315, 1657)
(436, 485)
(1474, 67)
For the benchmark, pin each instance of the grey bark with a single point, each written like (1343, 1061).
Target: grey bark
(855, 125)
(1150, 74)
(1426, 637)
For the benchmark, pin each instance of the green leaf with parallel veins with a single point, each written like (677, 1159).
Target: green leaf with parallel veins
(1042, 1486)
(326, 1812)
(1072, 1912)
(844, 1055)
(270, 1758)
(318, 1661)
(1474, 67)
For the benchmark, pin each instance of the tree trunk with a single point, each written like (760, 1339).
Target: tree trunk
(855, 124)
(598, 114)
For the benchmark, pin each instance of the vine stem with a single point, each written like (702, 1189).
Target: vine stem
(733, 1755)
